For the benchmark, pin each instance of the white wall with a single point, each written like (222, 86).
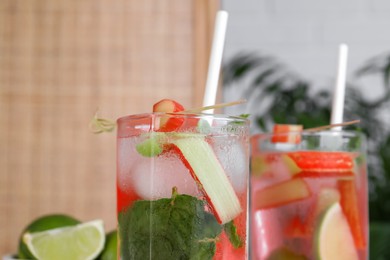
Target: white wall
(305, 34)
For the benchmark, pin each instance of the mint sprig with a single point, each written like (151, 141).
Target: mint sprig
(168, 228)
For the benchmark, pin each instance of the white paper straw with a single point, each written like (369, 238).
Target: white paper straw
(339, 92)
(215, 61)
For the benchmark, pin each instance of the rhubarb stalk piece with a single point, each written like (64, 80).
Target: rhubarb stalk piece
(281, 194)
(287, 134)
(169, 106)
(321, 164)
(200, 159)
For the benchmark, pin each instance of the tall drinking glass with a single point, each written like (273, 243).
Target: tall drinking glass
(182, 186)
(309, 196)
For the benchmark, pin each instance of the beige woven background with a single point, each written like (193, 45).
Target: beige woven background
(60, 61)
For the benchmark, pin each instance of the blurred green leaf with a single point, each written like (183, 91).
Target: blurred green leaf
(386, 74)
(379, 241)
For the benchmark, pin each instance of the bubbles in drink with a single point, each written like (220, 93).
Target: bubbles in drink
(154, 178)
(232, 157)
(127, 158)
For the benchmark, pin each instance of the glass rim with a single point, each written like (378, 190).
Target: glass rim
(316, 133)
(127, 118)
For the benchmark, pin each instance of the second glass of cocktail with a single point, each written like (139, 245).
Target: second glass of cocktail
(309, 196)
(182, 186)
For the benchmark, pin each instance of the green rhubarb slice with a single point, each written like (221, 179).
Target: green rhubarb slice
(200, 159)
(281, 194)
(333, 237)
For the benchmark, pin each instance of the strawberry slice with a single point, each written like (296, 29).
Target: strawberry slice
(169, 106)
(321, 164)
(349, 204)
(281, 194)
(287, 134)
(198, 156)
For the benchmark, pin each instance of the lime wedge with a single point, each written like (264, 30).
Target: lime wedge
(333, 237)
(44, 223)
(84, 241)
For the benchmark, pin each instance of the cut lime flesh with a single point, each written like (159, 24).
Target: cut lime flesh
(43, 223)
(333, 236)
(81, 242)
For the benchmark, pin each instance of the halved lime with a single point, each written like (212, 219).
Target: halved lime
(81, 242)
(333, 238)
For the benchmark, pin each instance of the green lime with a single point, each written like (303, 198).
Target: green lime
(333, 237)
(110, 248)
(81, 242)
(150, 147)
(41, 224)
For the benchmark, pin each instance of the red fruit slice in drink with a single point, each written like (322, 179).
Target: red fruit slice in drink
(281, 194)
(125, 198)
(322, 164)
(287, 134)
(169, 106)
(199, 158)
(296, 228)
(349, 204)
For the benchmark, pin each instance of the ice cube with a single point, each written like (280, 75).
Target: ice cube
(232, 157)
(127, 159)
(154, 178)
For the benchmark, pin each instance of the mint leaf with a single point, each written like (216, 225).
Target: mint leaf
(231, 232)
(169, 228)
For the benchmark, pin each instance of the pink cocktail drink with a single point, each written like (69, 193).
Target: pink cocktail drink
(309, 196)
(182, 186)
